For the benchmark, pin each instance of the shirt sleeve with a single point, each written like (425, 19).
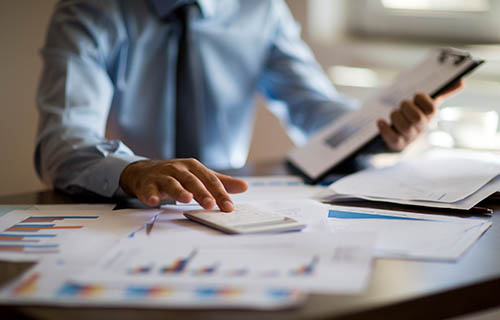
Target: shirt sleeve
(293, 76)
(73, 100)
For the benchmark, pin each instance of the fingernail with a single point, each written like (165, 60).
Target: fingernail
(207, 203)
(153, 201)
(228, 205)
(185, 196)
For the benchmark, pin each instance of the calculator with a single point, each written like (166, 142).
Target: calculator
(245, 218)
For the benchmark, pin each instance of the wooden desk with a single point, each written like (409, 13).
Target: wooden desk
(398, 289)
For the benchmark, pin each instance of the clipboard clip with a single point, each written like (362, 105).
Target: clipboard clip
(458, 56)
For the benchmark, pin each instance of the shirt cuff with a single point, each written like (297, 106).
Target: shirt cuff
(106, 177)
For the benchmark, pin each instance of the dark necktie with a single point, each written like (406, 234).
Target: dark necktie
(189, 95)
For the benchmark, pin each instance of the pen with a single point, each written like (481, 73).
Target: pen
(149, 225)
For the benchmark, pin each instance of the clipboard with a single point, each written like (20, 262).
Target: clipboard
(352, 131)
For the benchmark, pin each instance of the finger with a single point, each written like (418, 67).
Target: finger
(403, 126)
(392, 139)
(232, 185)
(414, 115)
(215, 187)
(149, 195)
(452, 89)
(192, 184)
(174, 189)
(425, 103)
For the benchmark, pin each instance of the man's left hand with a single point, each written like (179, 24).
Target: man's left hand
(412, 118)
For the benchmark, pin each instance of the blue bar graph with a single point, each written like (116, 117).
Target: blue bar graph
(358, 215)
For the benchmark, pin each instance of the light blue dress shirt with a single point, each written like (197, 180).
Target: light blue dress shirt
(106, 100)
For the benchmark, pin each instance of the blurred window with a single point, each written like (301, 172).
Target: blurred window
(442, 5)
(469, 21)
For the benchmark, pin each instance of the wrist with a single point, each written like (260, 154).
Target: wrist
(129, 176)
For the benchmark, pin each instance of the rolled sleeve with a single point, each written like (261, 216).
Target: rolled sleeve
(293, 76)
(74, 98)
(104, 177)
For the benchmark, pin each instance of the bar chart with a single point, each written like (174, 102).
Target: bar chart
(55, 218)
(31, 238)
(306, 269)
(27, 286)
(38, 227)
(147, 291)
(206, 270)
(179, 265)
(79, 290)
(30, 248)
(270, 261)
(39, 234)
(27, 225)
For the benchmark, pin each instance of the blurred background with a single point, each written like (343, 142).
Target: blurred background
(361, 44)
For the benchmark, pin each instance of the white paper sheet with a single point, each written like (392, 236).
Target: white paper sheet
(410, 235)
(465, 204)
(71, 235)
(312, 212)
(306, 261)
(351, 131)
(48, 284)
(437, 176)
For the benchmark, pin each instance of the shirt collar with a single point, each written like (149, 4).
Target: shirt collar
(164, 7)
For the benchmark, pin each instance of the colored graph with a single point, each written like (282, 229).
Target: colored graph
(30, 248)
(78, 290)
(55, 218)
(215, 292)
(147, 291)
(28, 286)
(25, 237)
(38, 227)
(358, 215)
(141, 269)
(27, 224)
(306, 269)
(206, 270)
(179, 265)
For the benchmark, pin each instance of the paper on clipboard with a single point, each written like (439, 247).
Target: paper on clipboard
(352, 131)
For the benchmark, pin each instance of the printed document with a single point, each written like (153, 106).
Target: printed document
(434, 178)
(326, 263)
(407, 235)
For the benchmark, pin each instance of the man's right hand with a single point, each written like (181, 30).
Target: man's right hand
(181, 179)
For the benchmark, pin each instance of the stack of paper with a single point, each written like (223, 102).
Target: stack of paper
(407, 235)
(50, 283)
(452, 179)
(158, 258)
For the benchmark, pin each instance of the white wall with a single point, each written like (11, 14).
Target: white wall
(22, 29)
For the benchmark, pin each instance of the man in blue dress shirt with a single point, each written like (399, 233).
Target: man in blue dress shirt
(173, 80)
